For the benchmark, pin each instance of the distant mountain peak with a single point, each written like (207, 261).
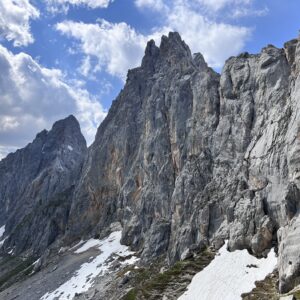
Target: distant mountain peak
(35, 178)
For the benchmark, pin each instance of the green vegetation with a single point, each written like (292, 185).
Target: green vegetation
(14, 269)
(295, 292)
(131, 295)
(150, 283)
(297, 295)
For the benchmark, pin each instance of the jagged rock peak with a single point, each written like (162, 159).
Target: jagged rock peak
(200, 61)
(151, 49)
(172, 52)
(69, 121)
(169, 44)
(151, 55)
(173, 44)
(64, 133)
(67, 126)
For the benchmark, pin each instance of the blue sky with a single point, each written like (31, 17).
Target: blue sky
(59, 57)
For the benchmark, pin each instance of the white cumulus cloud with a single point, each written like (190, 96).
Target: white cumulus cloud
(33, 98)
(117, 46)
(153, 4)
(215, 40)
(15, 19)
(220, 4)
(57, 6)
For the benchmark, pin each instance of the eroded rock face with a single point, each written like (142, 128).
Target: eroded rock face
(188, 157)
(36, 186)
(164, 117)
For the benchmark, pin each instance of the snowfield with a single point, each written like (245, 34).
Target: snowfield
(229, 275)
(83, 278)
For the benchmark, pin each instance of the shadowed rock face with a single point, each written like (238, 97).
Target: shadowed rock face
(185, 157)
(36, 186)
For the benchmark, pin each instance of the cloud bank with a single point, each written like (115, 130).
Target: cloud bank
(117, 46)
(34, 97)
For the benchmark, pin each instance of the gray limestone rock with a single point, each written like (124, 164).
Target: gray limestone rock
(36, 186)
(185, 158)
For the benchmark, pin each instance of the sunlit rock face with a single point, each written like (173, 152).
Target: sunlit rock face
(158, 131)
(188, 157)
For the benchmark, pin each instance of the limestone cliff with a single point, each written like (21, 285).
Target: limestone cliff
(187, 157)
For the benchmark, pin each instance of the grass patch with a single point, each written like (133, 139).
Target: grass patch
(297, 295)
(150, 283)
(131, 295)
(17, 269)
(295, 292)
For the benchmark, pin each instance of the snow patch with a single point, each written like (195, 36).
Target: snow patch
(77, 245)
(84, 277)
(2, 230)
(127, 273)
(70, 148)
(87, 245)
(62, 250)
(2, 242)
(229, 275)
(58, 165)
(36, 262)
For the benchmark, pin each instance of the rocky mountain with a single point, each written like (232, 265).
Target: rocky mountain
(185, 158)
(36, 188)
